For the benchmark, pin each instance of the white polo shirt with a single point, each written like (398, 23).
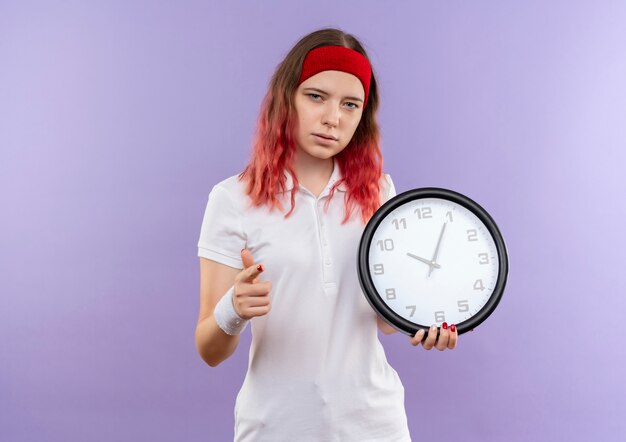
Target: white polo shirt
(317, 371)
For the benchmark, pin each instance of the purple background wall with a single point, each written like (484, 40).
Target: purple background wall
(116, 118)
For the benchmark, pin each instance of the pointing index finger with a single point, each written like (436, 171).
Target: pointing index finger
(252, 272)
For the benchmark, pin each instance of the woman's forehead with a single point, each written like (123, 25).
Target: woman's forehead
(335, 82)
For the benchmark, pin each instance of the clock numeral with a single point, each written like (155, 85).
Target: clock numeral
(379, 269)
(472, 235)
(440, 316)
(397, 223)
(412, 308)
(424, 212)
(478, 285)
(387, 244)
(449, 216)
(463, 306)
(391, 294)
(484, 258)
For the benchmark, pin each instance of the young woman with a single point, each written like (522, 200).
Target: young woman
(278, 248)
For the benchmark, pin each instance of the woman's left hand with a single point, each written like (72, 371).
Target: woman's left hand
(448, 338)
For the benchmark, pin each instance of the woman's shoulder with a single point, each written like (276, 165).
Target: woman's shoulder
(387, 189)
(385, 180)
(233, 185)
(229, 194)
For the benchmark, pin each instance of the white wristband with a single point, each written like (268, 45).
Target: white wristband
(226, 317)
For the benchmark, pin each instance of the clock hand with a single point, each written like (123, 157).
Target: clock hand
(425, 261)
(434, 260)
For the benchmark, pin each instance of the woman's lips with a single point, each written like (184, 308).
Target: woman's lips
(323, 139)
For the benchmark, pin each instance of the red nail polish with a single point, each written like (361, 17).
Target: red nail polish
(259, 267)
(444, 325)
(453, 328)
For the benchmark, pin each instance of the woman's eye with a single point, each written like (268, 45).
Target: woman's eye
(354, 106)
(314, 95)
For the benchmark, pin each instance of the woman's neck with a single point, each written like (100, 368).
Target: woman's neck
(313, 173)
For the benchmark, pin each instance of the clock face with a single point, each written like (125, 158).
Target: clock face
(433, 258)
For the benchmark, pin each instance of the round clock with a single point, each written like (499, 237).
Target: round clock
(429, 256)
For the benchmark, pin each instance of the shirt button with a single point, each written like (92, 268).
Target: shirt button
(327, 261)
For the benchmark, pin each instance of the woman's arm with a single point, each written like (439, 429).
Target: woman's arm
(212, 344)
(250, 298)
(384, 327)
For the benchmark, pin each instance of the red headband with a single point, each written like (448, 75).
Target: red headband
(337, 58)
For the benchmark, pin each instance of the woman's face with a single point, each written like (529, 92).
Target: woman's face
(329, 106)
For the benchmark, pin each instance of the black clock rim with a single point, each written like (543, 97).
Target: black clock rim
(363, 267)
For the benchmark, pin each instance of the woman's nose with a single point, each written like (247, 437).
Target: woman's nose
(331, 114)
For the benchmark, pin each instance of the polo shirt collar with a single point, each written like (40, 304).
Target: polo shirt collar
(334, 177)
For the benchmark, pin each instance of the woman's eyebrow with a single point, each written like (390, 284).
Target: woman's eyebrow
(326, 93)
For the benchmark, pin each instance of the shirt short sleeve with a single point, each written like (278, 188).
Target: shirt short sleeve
(221, 235)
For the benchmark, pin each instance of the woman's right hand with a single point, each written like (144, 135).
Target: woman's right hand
(251, 297)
